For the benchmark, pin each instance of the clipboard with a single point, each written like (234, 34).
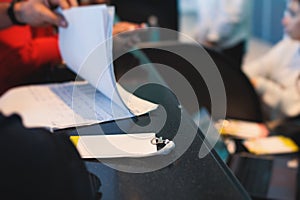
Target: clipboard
(136, 145)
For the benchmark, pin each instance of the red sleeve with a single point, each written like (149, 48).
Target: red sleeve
(21, 54)
(42, 51)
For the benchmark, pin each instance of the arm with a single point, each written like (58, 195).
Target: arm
(21, 56)
(285, 99)
(263, 66)
(125, 26)
(5, 21)
(259, 67)
(264, 70)
(288, 102)
(259, 72)
(35, 12)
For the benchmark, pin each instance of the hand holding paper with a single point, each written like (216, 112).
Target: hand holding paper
(86, 47)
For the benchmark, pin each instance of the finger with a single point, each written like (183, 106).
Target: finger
(64, 4)
(143, 25)
(73, 3)
(53, 18)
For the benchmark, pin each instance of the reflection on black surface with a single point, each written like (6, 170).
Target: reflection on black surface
(161, 95)
(188, 177)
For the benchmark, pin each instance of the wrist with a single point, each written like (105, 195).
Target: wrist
(15, 13)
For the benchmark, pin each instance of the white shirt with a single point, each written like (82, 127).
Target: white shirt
(225, 22)
(276, 76)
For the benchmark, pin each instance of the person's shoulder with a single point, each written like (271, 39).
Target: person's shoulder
(285, 46)
(12, 128)
(19, 140)
(288, 42)
(49, 161)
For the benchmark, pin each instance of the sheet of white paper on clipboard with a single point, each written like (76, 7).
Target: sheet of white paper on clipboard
(136, 145)
(114, 146)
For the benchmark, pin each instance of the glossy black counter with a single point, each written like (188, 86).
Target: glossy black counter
(184, 175)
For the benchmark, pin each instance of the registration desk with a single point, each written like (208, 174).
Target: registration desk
(179, 175)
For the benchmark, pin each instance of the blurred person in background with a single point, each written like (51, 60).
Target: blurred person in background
(275, 75)
(224, 25)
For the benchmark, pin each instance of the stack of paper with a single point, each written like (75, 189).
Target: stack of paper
(57, 106)
(86, 48)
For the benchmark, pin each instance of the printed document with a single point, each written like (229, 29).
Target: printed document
(86, 48)
(69, 104)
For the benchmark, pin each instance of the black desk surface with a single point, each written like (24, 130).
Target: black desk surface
(189, 177)
(183, 176)
(178, 175)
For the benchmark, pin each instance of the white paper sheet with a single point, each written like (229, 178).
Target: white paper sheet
(71, 104)
(114, 146)
(86, 29)
(86, 47)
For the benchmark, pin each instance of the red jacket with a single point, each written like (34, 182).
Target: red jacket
(24, 50)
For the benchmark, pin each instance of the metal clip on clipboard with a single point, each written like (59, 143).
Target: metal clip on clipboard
(169, 145)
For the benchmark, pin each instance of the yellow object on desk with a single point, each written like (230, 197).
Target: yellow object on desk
(271, 145)
(242, 129)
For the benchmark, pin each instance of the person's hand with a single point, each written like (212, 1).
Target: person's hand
(125, 37)
(253, 82)
(40, 13)
(93, 2)
(121, 27)
(209, 44)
